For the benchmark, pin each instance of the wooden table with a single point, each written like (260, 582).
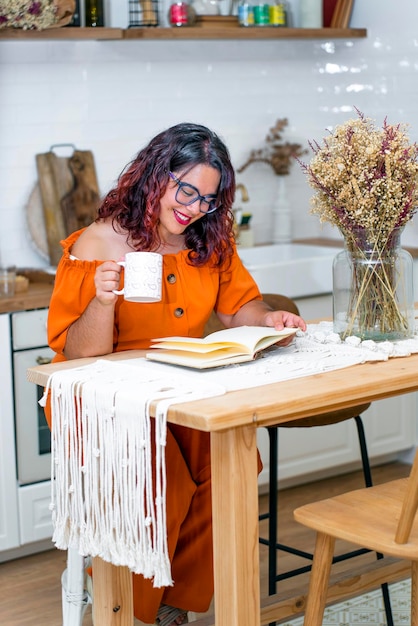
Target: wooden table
(233, 420)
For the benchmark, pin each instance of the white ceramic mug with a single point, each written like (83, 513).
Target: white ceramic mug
(143, 277)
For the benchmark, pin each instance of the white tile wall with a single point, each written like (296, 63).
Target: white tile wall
(112, 96)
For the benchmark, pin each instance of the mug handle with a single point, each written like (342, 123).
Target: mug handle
(120, 292)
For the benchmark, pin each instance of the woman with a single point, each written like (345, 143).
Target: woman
(174, 198)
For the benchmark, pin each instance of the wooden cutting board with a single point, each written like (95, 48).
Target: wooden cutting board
(69, 193)
(36, 222)
(342, 14)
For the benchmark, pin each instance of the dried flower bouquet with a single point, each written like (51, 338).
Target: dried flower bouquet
(365, 182)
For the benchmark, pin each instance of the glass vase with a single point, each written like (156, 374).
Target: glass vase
(373, 295)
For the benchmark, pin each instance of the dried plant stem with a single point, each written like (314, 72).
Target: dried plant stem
(277, 154)
(374, 306)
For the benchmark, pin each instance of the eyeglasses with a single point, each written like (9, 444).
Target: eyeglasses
(187, 194)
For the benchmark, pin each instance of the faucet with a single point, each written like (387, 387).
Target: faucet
(244, 192)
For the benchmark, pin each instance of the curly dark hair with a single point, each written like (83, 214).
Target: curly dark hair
(134, 204)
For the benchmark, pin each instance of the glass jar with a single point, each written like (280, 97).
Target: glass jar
(94, 13)
(261, 14)
(373, 288)
(181, 14)
(245, 13)
(278, 13)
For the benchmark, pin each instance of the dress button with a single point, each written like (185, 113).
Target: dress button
(171, 278)
(179, 312)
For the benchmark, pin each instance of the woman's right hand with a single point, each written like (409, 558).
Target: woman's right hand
(106, 280)
(92, 333)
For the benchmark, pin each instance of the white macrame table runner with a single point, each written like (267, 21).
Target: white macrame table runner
(105, 500)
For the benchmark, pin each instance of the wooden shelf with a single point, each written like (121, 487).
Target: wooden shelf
(189, 32)
(65, 32)
(265, 32)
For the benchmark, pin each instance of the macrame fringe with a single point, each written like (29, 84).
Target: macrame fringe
(106, 500)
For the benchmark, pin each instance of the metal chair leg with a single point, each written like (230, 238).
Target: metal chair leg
(367, 472)
(273, 502)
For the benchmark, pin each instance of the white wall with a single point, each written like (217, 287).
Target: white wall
(112, 96)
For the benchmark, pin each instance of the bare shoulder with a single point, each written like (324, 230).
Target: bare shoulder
(100, 242)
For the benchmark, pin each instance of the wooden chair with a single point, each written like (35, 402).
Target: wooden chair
(283, 303)
(381, 518)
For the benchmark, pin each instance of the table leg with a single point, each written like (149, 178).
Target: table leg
(235, 527)
(112, 594)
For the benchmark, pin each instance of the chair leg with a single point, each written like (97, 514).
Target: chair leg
(414, 593)
(369, 483)
(272, 530)
(386, 600)
(272, 518)
(367, 472)
(319, 581)
(74, 597)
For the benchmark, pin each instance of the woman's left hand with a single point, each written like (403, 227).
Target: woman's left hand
(284, 319)
(258, 313)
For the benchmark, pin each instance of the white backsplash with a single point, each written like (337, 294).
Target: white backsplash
(111, 97)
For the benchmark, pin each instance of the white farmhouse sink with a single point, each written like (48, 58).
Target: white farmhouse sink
(294, 270)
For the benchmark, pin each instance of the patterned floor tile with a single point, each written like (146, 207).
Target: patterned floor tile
(368, 610)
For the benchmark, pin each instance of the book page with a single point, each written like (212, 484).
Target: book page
(246, 339)
(199, 347)
(196, 360)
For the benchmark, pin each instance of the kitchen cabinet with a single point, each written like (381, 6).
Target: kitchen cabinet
(315, 307)
(25, 516)
(9, 519)
(35, 521)
(187, 33)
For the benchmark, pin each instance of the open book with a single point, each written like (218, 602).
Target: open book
(232, 345)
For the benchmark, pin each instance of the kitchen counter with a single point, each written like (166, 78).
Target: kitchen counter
(36, 297)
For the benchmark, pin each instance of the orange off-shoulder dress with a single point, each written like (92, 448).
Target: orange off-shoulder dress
(189, 295)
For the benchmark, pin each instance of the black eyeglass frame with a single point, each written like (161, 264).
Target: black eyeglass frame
(208, 199)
